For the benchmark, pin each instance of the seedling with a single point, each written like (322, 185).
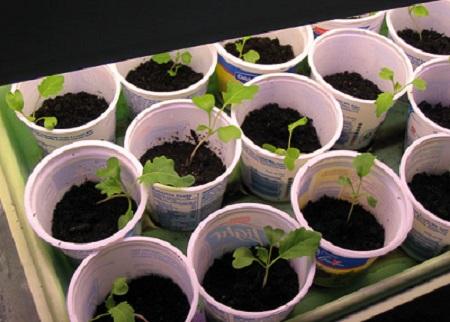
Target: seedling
(162, 170)
(251, 56)
(290, 154)
(296, 243)
(50, 86)
(385, 100)
(119, 312)
(181, 58)
(363, 164)
(111, 185)
(417, 11)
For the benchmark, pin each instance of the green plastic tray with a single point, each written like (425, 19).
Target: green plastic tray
(48, 271)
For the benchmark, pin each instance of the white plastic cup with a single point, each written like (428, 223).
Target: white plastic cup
(236, 226)
(370, 22)
(430, 234)
(230, 67)
(204, 60)
(399, 19)
(181, 208)
(264, 172)
(71, 165)
(131, 258)
(97, 81)
(319, 177)
(436, 73)
(364, 52)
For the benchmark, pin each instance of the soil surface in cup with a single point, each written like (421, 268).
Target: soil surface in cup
(152, 76)
(205, 167)
(433, 192)
(328, 216)
(438, 113)
(242, 288)
(155, 297)
(353, 84)
(431, 41)
(79, 218)
(72, 109)
(269, 50)
(269, 124)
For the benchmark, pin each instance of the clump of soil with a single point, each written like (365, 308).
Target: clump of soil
(431, 42)
(329, 216)
(242, 288)
(155, 297)
(353, 84)
(433, 192)
(269, 124)
(72, 109)
(269, 50)
(79, 218)
(152, 76)
(205, 167)
(438, 113)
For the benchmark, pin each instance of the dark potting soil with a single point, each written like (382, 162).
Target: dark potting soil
(269, 124)
(152, 76)
(242, 288)
(329, 216)
(72, 109)
(155, 297)
(438, 113)
(269, 50)
(78, 218)
(432, 41)
(433, 192)
(353, 84)
(205, 167)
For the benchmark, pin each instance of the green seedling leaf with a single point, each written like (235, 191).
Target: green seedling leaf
(397, 87)
(120, 286)
(239, 47)
(363, 164)
(300, 122)
(205, 102)
(112, 169)
(110, 178)
(292, 155)
(242, 257)
(202, 127)
(162, 170)
(418, 10)
(273, 235)
(344, 181)
(172, 72)
(251, 56)
(51, 85)
(262, 254)
(186, 58)
(280, 151)
(125, 218)
(109, 186)
(420, 84)
(383, 103)
(50, 122)
(372, 201)
(15, 100)
(122, 312)
(238, 92)
(299, 242)
(161, 58)
(30, 118)
(269, 147)
(228, 133)
(386, 74)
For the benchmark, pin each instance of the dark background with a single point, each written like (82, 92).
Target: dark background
(44, 37)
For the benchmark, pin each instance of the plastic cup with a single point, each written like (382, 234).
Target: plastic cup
(436, 73)
(97, 81)
(430, 234)
(263, 172)
(230, 67)
(204, 60)
(370, 22)
(236, 226)
(399, 19)
(338, 266)
(131, 258)
(72, 165)
(181, 208)
(367, 53)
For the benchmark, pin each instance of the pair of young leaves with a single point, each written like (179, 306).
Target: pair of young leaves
(251, 56)
(180, 59)
(50, 86)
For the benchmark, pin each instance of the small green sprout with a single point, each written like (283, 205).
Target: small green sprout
(417, 11)
(162, 170)
(251, 56)
(180, 59)
(290, 154)
(363, 164)
(385, 100)
(111, 186)
(50, 86)
(296, 243)
(119, 312)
